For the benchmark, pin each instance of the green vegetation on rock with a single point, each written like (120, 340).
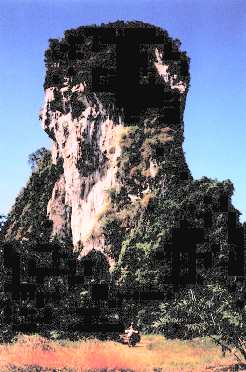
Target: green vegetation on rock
(28, 219)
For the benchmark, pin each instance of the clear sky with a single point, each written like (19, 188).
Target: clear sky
(213, 32)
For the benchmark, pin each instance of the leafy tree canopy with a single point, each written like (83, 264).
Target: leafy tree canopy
(38, 158)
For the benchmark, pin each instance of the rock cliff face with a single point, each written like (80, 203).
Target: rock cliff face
(116, 184)
(113, 106)
(85, 146)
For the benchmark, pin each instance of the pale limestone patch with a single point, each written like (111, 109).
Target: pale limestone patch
(163, 68)
(69, 137)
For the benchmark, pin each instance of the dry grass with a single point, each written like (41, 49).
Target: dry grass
(125, 135)
(104, 210)
(146, 199)
(153, 352)
(121, 134)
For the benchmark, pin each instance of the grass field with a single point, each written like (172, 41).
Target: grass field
(154, 353)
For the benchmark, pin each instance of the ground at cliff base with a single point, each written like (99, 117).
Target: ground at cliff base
(154, 353)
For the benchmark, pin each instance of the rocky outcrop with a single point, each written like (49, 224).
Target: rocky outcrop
(116, 187)
(93, 132)
(89, 152)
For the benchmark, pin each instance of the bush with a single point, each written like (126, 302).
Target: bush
(205, 311)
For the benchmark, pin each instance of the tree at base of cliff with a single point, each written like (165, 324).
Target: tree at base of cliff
(206, 311)
(27, 219)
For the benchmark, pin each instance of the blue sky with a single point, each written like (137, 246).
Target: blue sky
(212, 32)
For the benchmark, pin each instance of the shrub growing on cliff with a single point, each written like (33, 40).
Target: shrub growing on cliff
(77, 106)
(56, 104)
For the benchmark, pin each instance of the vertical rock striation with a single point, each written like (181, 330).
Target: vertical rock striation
(113, 106)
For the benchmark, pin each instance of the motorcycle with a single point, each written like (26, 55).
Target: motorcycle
(133, 339)
(130, 340)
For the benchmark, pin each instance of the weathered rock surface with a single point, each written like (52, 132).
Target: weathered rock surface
(116, 187)
(90, 130)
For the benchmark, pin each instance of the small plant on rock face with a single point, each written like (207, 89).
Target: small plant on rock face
(56, 104)
(128, 136)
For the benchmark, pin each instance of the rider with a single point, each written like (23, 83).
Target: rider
(130, 331)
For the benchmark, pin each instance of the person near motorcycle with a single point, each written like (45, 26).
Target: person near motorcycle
(133, 335)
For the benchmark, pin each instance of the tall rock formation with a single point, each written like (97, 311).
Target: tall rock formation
(113, 106)
(118, 181)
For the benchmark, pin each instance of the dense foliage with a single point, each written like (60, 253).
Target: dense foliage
(28, 217)
(206, 311)
(39, 159)
(196, 202)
